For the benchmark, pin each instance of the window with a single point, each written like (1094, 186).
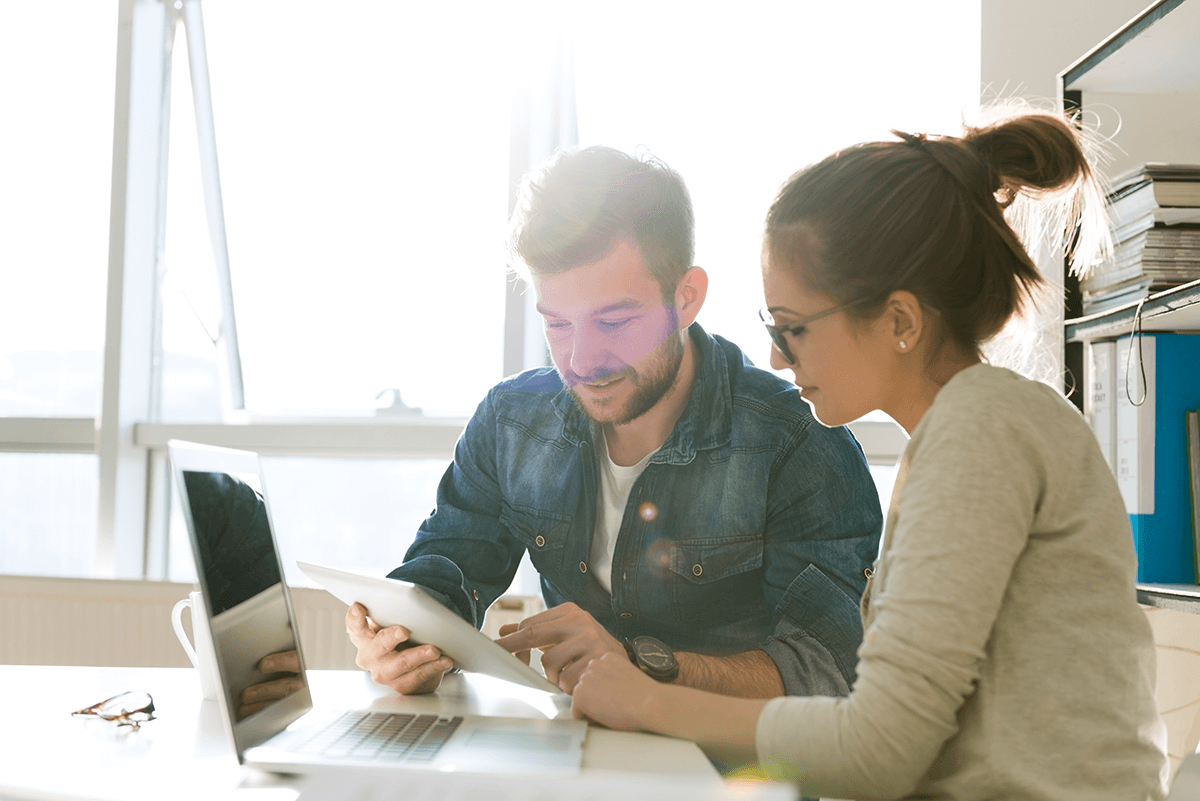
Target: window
(736, 106)
(359, 514)
(57, 96)
(56, 534)
(364, 175)
(363, 153)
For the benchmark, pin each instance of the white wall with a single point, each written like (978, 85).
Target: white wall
(1026, 43)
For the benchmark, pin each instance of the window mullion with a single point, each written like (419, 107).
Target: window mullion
(543, 120)
(136, 230)
(228, 354)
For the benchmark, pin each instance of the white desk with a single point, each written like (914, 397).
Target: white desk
(185, 754)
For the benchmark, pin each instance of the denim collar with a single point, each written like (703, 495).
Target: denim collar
(706, 422)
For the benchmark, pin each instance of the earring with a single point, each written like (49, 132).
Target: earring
(903, 344)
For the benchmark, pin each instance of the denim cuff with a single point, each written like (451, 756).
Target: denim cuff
(805, 665)
(442, 579)
(816, 639)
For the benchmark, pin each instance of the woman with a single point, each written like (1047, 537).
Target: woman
(1004, 656)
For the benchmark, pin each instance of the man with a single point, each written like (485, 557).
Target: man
(679, 504)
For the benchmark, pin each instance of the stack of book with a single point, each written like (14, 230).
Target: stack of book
(1155, 213)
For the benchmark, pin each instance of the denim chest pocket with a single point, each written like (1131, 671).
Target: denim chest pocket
(544, 534)
(716, 582)
(703, 562)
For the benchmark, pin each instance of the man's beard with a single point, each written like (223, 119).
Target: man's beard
(649, 388)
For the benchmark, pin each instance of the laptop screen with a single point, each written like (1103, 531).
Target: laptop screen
(233, 537)
(238, 567)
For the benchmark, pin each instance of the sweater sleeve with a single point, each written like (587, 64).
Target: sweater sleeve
(960, 521)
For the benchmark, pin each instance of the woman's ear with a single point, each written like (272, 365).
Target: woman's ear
(689, 295)
(906, 320)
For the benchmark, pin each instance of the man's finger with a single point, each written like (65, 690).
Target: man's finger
(246, 710)
(568, 675)
(424, 672)
(408, 668)
(557, 660)
(532, 635)
(271, 690)
(356, 623)
(284, 661)
(386, 640)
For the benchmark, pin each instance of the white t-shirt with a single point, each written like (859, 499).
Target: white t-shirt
(615, 484)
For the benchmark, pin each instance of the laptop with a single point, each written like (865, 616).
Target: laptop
(224, 502)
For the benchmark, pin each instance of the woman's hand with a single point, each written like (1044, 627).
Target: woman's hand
(612, 691)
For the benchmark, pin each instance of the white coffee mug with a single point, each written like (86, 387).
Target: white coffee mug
(202, 656)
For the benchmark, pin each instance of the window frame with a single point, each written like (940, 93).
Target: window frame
(128, 438)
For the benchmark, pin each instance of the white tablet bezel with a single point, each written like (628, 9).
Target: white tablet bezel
(392, 602)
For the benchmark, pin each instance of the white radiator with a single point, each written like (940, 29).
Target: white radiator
(60, 621)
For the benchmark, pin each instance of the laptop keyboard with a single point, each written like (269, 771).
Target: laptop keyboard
(380, 736)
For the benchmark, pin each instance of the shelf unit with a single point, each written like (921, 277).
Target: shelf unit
(1143, 82)
(1175, 309)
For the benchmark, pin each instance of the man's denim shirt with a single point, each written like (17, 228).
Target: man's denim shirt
(750, 528)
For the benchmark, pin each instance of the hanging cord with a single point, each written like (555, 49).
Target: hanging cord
(1135, 334)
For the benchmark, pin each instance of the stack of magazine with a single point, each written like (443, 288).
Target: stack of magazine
(1155, 214)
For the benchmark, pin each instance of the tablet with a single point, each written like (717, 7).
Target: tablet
(392, 602)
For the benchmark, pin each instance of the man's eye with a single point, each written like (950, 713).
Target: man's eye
(554, 325)
(612, 325)
(794, 330)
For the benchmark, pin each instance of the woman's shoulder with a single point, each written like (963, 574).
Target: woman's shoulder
(997, 399)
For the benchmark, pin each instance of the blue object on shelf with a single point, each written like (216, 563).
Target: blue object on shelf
(1156, 488)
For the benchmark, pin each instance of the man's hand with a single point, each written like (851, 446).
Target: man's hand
(568, 638)
(257, 696)
(407, 668)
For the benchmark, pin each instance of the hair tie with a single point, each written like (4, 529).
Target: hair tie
(1003, 194)
(912, 140)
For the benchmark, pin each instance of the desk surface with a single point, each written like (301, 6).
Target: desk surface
(184, 753)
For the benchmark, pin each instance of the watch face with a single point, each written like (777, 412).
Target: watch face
(653, 655)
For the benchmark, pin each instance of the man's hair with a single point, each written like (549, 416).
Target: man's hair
(579, 205)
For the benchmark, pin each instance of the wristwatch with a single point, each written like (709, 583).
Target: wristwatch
(655, 658)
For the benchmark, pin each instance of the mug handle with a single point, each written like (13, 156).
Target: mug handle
(177, 622)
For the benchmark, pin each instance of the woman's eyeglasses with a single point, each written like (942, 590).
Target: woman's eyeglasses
(778, 332)
(127, 709)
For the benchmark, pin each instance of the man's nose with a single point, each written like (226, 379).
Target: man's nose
(590, 358)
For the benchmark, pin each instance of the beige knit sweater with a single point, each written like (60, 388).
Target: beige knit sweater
(1005, 655)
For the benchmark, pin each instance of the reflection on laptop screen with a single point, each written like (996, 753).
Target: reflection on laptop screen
(238, 568)
(233, 536)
